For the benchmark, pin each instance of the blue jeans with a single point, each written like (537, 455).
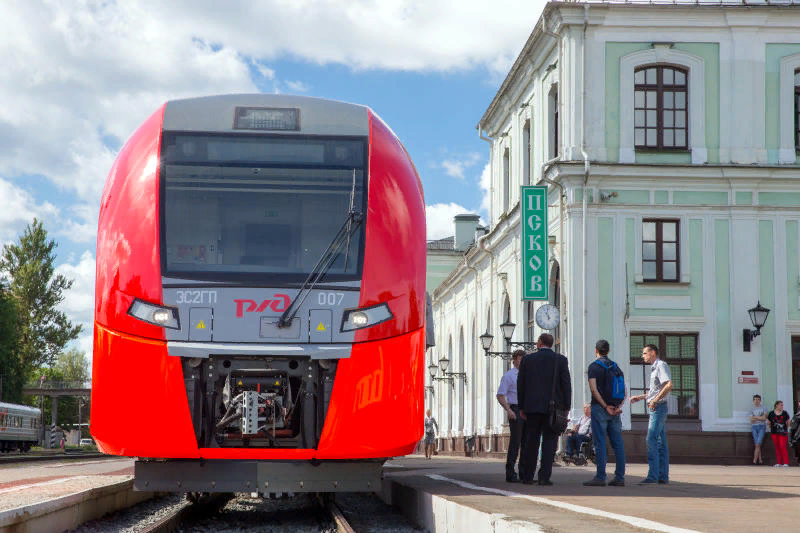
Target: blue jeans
(759, 430)
(604, 424)
(574, 443)
(657, 451)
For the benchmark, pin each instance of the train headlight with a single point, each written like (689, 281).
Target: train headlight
(354, 319)
(155, 314)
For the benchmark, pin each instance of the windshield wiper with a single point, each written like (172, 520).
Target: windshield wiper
(326, 260)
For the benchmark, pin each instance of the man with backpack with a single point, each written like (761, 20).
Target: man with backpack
(607, 383)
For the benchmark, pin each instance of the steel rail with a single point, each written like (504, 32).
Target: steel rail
(342, 525)
(26, 458)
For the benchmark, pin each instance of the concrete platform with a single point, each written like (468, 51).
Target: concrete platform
(54, 497)
(468, 494)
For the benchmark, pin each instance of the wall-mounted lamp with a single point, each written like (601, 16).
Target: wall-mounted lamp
(758, 316)
(444, 363)
(507, 328)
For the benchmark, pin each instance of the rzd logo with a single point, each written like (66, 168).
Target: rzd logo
(280, 303)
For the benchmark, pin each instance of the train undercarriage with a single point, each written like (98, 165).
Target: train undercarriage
(258, 402)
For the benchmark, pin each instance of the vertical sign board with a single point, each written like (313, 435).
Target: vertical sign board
(535, 284)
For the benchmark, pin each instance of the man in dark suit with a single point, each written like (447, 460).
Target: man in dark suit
(534, 390)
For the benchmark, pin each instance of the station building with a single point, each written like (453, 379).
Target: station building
(668, 136)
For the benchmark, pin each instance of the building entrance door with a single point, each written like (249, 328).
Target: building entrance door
(795, 373)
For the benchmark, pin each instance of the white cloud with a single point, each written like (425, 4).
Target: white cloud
(439, 219)
(298, 86)
(79, 76)
(79, 300)
(18, 208)
(435, 35)
(78, 73)
(455, 167)
(486, 183)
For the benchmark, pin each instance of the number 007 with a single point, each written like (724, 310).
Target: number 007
(330, 298)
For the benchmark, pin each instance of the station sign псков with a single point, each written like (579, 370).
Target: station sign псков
(534, 243)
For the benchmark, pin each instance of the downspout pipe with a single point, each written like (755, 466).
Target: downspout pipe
(586, 171)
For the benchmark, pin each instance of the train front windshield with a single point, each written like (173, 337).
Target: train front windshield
(247, 206)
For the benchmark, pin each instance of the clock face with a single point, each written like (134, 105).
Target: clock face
(548, 317)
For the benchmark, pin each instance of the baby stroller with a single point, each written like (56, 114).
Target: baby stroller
(585, 454)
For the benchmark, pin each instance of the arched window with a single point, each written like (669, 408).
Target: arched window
(449, 405)
(489, 373)
(526, 153)
(553, 101)
(506, 179)
(460, 385)
(506, 318)
(797, 109)
(530, 333)
(660, 103)
(473, 377)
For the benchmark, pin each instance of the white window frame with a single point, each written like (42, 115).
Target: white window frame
(789, 64)
(662, 54)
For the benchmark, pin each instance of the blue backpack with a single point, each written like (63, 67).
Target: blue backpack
(614, 385)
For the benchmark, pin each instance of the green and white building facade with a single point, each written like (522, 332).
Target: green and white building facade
(668, 136)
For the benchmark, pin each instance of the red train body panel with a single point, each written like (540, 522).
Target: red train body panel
(151, 397)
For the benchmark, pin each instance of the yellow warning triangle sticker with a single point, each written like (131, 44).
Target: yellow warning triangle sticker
(201, 325)
(321, 327)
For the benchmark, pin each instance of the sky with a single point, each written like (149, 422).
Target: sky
(79, 76)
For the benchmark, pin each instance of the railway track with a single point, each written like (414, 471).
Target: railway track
(196, 515)
(34, 457)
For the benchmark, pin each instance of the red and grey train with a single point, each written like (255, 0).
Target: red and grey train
(260, 297)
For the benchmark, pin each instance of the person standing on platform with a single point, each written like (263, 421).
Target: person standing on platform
(758, 427)
(660, 387)
(779, 431)
(507, 397)
(431, 428)
(543, 376)
(606, 401)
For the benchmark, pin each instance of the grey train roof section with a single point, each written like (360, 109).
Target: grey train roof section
(216, 114)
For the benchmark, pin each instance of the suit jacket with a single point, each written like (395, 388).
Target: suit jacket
(535, 382)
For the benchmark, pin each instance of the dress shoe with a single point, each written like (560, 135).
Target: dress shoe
(527, 482)
(663, 482)
(616, 482)
(545, 482)
(513, 479)
(648, 481)
(594, 482)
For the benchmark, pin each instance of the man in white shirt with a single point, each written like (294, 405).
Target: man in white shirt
(507, 397)
(580, 433)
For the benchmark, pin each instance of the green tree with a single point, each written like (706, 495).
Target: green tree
(37, 291)
(11, 368)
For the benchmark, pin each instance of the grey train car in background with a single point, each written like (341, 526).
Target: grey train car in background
(19, 427)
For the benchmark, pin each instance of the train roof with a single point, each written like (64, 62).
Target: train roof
(14, 408)
(315, 116)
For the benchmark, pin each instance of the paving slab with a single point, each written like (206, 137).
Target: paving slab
(699, 497)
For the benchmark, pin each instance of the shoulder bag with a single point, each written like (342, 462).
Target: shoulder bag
(557, 418)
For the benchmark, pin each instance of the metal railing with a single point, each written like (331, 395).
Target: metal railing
(59, 385)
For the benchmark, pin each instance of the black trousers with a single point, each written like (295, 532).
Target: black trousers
(537, 429)
(516, 428)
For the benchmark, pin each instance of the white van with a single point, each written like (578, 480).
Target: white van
(87, 442)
